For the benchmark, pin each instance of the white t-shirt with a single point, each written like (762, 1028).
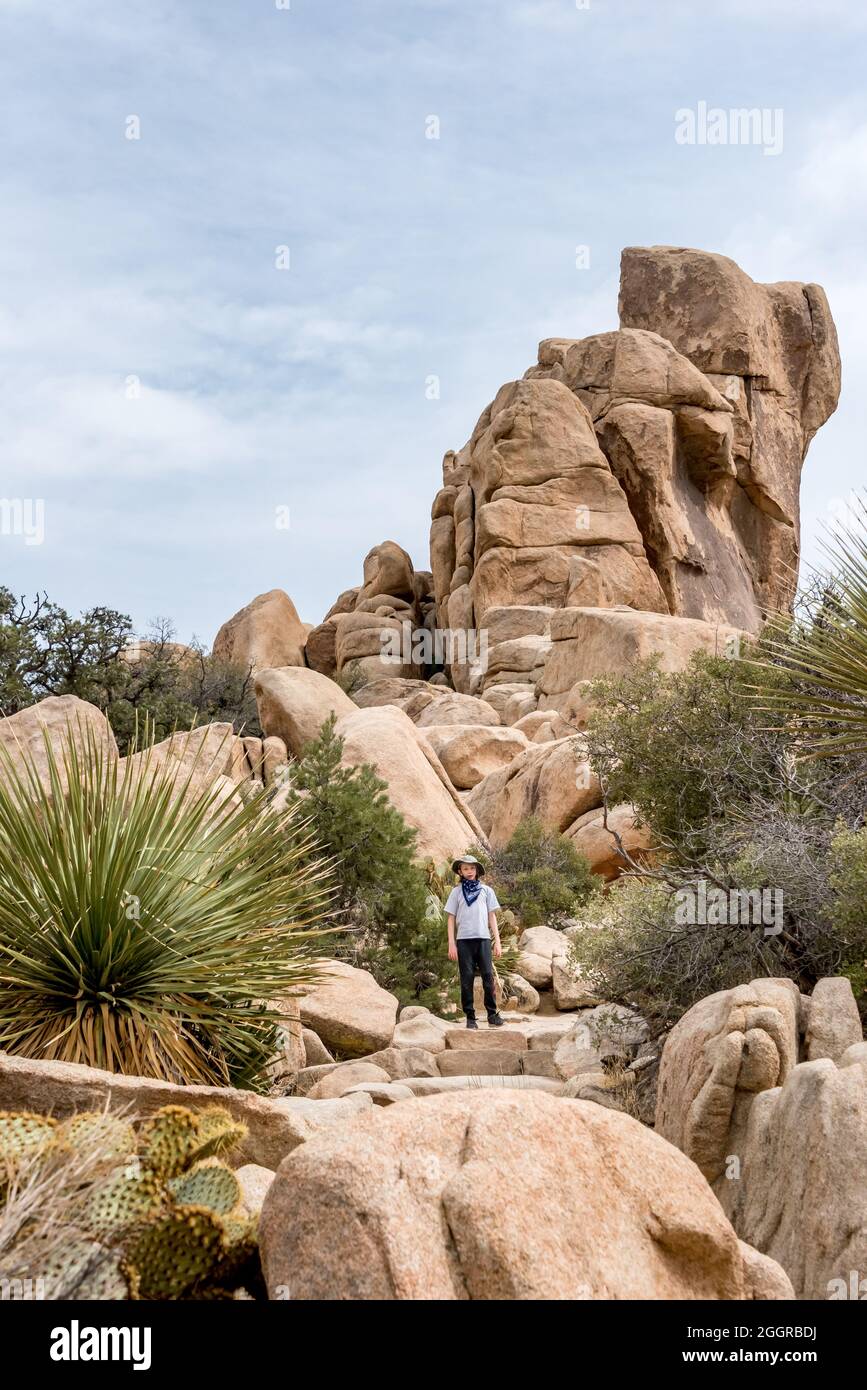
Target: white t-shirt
(471, 919)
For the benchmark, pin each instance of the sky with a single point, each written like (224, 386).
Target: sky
(247, 301)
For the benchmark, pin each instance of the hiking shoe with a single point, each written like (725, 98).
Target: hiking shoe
(494, 1021)
(471, 1023)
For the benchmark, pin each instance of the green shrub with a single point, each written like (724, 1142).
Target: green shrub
(171, 688)
(636, 953)
(686, 748)
(539, 875)
(848, 881)
(395, 924)
(811, 923)
(730, 804)
(46, 651)
(143, 921)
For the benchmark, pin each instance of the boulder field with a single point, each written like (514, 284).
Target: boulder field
(634, 494)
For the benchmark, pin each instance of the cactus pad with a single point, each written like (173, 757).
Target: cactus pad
(218, 1132)
(126, 1197)
(169, 1254)
(207, 1184)
(107, 1132)
(168, 1140)
(83, 1269)
(23, 1134)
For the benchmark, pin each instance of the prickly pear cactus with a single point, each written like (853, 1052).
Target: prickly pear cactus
(165, 1221)
(168, 1140)
(218, 1132)
(23, 1134)
(84, 1269)
(174, 1137)
(114, 1136)
(168, 1255)
(129, 1195)
(207, 1184)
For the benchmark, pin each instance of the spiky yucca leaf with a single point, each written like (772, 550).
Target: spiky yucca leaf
(824, 703)
(144, 918)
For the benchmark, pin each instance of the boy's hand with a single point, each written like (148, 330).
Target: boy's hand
(498, 950)
(453, 951)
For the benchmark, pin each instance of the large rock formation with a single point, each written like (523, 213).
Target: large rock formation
(655, 468)
(500, 1194)
(766, 1090)
(551, 781)
(802, 1197)
(635, 494)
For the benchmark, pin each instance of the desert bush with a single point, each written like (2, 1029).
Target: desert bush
(395, 926)
(97, 1208)
(686, 748)
(848, 884)
(143, 921)
(731, 805)
(44, 651)
(636, 953)
(351, 678)
(173, 687)
(539, 875)
(643, 952)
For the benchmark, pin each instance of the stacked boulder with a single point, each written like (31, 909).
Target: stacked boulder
(373, 627)
(765, 1089)
(637, 491)
(267, 632)
(635, 494)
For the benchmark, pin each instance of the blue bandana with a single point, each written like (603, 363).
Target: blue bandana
(471, 888)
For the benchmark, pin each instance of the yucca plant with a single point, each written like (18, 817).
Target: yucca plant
(824, 701)
(145, 916)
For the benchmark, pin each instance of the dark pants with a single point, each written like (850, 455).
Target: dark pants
(474, 957)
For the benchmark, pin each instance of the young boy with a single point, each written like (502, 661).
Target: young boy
(472, 912)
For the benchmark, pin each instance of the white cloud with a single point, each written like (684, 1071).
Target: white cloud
(408, 257)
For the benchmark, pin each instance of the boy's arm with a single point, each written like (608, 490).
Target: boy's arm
(453, 950)
(495, 933)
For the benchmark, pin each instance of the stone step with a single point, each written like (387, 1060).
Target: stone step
(473, 1061)
(484, 1039)
(547, 1039)
(539, 1061)
(436, 1085)
(497, 1062)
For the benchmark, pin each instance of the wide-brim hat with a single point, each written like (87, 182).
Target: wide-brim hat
(469, 859)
